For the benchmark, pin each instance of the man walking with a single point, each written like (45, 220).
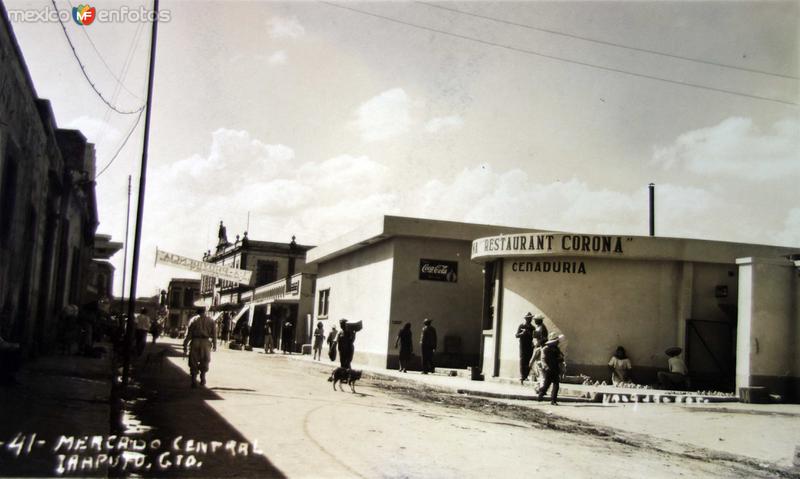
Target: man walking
(552, 359)
(427, 343)
(525, 336)
(201, 339)
(142, 328)
(345, 342)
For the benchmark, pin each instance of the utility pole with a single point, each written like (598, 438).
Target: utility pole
(140, 203)
(125, 254)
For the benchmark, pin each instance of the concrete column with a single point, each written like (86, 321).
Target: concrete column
(768, 331)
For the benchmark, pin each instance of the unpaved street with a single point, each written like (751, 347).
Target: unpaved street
(305, 429)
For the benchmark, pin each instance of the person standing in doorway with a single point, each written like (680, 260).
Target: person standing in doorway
(319, 337)
(552, 359)
(226, 328)
(201, 340)
(346, 344)
(525, 336)
(428, 342)
(287, 338)
(405, 342)
(244, 333)
(269, 343)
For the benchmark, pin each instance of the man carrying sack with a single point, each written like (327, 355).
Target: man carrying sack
(201, 339)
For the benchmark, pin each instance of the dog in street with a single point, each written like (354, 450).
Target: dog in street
(342, 375)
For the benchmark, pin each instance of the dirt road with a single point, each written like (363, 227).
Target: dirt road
(288, 410)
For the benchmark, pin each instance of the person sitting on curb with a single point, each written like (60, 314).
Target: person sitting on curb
(677, 376)
(620, 366)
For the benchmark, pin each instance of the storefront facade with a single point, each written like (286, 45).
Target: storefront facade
(396, 270)
(643, 293)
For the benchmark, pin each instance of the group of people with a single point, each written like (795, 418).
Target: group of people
(539, 353)
(428, 341)
(341, 341)
(675, 377)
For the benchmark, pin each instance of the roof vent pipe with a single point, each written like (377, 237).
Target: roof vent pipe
(652, 187)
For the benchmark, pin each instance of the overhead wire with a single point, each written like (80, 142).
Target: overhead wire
(124, 71)
(120, 82)
(83, 69)
(607, 43)
(557, 58)
(124, 142)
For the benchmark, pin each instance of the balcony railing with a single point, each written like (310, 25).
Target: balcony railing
(281, 290)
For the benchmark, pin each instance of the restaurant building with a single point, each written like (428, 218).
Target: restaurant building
(731, 307)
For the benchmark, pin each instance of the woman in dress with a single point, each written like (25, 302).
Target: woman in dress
(405, 342)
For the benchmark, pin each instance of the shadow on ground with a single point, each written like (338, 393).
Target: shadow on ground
(193, 439)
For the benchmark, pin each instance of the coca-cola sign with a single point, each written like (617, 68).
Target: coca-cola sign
(438, 270)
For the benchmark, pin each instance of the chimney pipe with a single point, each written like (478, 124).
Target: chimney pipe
(652, 187)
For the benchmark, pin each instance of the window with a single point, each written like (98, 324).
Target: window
(324, 300)
(266, 272)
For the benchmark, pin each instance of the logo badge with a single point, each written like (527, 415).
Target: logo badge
(84, 14)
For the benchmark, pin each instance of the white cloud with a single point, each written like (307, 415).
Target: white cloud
(445, 123)
(737, 148)
(790, 235)
(285, 27)
(278, 58)
(318, 200)
(384, 116)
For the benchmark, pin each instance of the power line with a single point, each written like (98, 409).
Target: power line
(83, 69)
(91, 42)
(561, 59)
(130, 132)
(124, 70)
(607, 43)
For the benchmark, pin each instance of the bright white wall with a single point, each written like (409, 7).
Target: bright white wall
(617, 302)
(360, 289)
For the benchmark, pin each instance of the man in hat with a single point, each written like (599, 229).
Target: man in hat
(345, 342)
(427, 343)
(525, 336)
(677, 374)
(201, 339)
(552, 357)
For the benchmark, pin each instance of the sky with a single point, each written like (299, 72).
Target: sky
(315, 117)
